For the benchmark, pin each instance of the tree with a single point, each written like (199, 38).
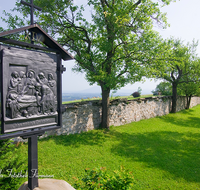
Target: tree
(189, 89)
(165, 88)
(177, 65)
(191, 85)
(115, 47)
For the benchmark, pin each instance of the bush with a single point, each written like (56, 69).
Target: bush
(165, 88)
(100, 179)
(12, 163)
(156, 93)
(136, 94)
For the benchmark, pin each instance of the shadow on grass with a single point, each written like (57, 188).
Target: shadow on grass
(190, 120)
(187, 111)
(96, 137)
(176, 153)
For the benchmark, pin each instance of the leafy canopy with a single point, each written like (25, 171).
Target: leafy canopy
(164, 88)
(191, 78)
(178, 62)
(114, 46)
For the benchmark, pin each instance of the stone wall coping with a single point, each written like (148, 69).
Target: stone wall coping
(116, 101)
(75, 105)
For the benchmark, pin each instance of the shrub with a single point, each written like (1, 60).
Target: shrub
(139, 90)
(100, 179)
(136, 94)
(156, 93)
(12, 163)
(165, 88)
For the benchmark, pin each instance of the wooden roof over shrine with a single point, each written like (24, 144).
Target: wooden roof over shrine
(52, 45)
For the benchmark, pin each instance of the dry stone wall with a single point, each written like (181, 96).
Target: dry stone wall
(85, 116)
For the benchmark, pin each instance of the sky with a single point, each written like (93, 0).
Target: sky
(184, 19)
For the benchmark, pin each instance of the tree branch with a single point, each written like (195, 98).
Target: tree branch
(123, 72)
(136, 4)
(103, 3)
(107, 3)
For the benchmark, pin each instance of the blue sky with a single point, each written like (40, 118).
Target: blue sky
(184, 19)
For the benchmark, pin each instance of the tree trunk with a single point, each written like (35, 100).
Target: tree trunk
(174, 97)
(105, 107)
(188, 101)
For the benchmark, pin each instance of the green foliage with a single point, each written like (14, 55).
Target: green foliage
(165, 88)
(197, 92)
(112, 94)
(178, 65)
(100, 179)
(113, 45)
(190, 88)
(175, 56)
(11, 163)
(191, 82)
(139, 90)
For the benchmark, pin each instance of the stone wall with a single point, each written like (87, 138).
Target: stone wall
(86, 116)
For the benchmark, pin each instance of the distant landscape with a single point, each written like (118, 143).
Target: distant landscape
(96, 92)
(78, 96)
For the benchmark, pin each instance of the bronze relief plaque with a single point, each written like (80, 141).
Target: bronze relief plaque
(28, 89)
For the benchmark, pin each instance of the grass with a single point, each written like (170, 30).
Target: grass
(162, 152)
(82, 100)
(111, 98)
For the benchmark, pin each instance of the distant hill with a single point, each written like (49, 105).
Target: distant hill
(123, 91)
(94, 89)
(96, 92)
(78, 96)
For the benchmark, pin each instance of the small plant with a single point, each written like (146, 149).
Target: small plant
(136, 94)
(139, 90)
(112, 94)
(100, 179)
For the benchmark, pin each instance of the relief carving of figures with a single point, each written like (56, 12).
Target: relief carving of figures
(22, 75)
(42, 79)
(29, 95)
(12, 103)
(30, 83)
(52, 83)
(47, 100)
(14, 81)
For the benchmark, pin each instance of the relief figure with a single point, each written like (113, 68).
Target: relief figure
(29, 87)
(22, 76)
(42, 79)
(28, 96)
(52, 83)
(14, 81)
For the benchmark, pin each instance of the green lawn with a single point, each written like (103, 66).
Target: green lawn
(162, 153)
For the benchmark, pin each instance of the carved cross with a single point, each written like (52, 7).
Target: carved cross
(32, 6)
